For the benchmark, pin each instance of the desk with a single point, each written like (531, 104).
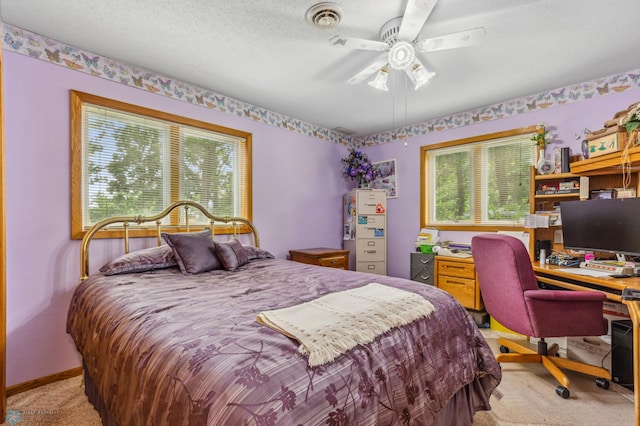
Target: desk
(553, 275)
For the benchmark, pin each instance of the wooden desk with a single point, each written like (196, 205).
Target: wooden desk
(554, 276)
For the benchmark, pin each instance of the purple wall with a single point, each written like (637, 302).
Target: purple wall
(297, 187)
(404, 212)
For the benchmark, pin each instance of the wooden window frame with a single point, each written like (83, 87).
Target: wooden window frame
(424, 173)
(78, 99)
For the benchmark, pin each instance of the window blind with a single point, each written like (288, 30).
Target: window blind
(134, 164)
(480, 183)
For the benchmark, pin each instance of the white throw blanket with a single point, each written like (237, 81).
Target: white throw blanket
(335, 323)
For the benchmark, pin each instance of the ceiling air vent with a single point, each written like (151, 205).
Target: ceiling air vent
(324, 15)
(347, 132)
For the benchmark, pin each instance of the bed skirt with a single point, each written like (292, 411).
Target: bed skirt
(459, 410)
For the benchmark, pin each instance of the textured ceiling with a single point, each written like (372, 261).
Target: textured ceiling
(264, 52)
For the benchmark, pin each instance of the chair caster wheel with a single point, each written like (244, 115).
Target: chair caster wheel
(602, 383)
(562, 391)
(504, 349)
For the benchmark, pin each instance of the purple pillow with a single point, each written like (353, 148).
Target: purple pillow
(194, 251)
(254, 253)
(141, 261)
(232, 254)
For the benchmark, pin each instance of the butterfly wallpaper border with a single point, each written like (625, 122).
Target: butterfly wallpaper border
(39, 47)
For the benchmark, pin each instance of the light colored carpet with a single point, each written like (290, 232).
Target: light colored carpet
(526, 396)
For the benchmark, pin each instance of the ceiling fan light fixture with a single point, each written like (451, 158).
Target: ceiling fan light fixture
(421, 75)
(324, 15)
(401, 55)
(380, 82)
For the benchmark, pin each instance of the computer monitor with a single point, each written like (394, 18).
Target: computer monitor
(601, 225)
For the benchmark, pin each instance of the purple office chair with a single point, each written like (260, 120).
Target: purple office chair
(511, 295)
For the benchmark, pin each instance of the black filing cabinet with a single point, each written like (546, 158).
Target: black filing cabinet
(422, 267)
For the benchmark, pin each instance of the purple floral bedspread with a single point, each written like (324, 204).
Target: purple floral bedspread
(166, 349)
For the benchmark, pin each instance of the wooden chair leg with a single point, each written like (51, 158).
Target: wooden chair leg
(515, 346)
(555, 371)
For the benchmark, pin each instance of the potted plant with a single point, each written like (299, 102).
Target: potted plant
(358, 167)
(631, 121)
(541, 138)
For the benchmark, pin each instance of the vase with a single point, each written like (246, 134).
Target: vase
(543, 165)
(364, 184)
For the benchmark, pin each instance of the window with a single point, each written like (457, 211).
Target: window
(129, 161)
(480, 181)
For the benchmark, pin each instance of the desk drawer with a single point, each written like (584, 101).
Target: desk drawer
(456, 269)
(463, 289)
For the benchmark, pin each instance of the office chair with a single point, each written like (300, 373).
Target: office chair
(511, 296)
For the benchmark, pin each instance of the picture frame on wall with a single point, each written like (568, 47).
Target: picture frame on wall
(387, 178)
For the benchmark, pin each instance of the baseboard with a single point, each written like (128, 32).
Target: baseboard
(36, 383)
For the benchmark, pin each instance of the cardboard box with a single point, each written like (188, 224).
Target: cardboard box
(606, 141)
(594, 350)
(560, 341)
(614, 311)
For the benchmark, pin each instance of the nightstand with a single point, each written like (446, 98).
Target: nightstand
(322, 256)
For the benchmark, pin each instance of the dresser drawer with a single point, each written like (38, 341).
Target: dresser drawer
(332, 262)
(322, 256)
(463, 289)
(456, 269)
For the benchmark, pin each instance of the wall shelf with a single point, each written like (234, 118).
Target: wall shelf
(606, 164)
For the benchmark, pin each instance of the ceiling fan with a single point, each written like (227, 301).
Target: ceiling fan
(400, 45)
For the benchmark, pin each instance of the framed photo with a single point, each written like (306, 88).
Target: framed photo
(387, 177)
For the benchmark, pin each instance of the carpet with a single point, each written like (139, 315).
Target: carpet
(526, 396)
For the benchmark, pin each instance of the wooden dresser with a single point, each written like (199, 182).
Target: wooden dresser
(457, 276)
(322, 256)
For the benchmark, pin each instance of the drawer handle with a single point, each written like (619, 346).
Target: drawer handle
(456, 282)
(370, 251)
(334, 261)
(455, 267)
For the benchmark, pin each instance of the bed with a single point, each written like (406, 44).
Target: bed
(164, 347)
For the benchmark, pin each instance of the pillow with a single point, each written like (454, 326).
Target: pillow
(254, 253)
(194, 251)
(232, 254)
(141, 261)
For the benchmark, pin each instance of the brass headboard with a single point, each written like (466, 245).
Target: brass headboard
(127, 220)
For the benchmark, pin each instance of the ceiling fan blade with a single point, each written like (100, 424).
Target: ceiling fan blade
(370, 70)
(451, 41)
(358, 43)
(415, 15)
